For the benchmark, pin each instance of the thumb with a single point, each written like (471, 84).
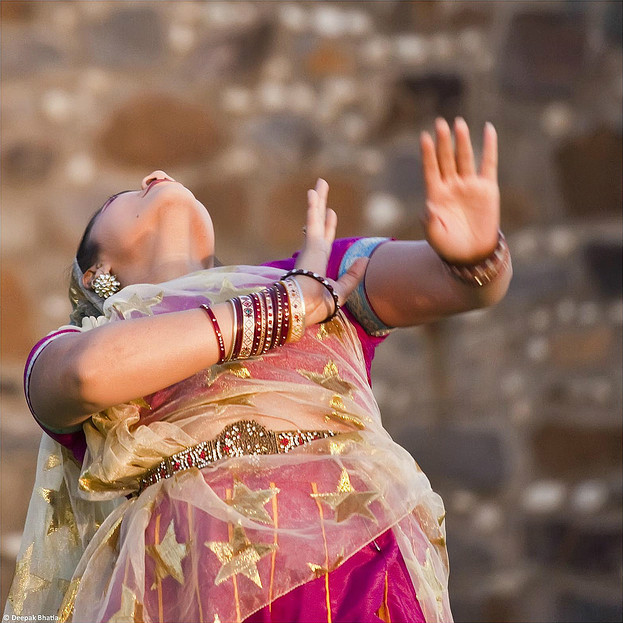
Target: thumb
(351, 278)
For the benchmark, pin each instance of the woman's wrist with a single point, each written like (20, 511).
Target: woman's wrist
(260, 321)
(321, 303)
(481, 273)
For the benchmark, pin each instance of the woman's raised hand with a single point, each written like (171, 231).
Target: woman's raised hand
(320, 230)
(462, 213)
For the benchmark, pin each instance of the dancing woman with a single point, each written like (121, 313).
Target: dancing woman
(213, 449)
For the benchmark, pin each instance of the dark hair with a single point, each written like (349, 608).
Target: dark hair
(88, 249)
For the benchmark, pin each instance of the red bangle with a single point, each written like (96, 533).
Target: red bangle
(217, 330)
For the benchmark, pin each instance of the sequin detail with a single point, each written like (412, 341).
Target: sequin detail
(244, 437)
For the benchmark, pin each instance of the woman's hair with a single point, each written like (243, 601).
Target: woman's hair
(84, 302)
(88, 248)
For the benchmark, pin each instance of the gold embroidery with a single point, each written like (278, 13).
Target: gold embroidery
(228, 290)
(340, 414)
(327, 593)
(251, 503)
(245, 400)
(191, 530)
(319, 570)
(53, 461)
(329, 329)
(433, 530)
(90, 483)
(112, 537)
(330, 379)
(141, 403)
(137, 303)
(239, 370)
(427, 573)
(383, 611)
(239, 555)
(336, 402)
(168, 557)
(273, 556)
(338, 443)
(67, 606)
(346, 501)
(131, 610)
(62, 515)
(235, 368)
(25, 582)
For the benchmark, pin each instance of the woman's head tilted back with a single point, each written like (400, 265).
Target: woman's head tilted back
(148, 235)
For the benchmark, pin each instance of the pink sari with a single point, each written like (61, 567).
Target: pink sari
(247, 537)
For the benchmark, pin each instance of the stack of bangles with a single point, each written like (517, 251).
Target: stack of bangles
(487, 270)
(267, 319)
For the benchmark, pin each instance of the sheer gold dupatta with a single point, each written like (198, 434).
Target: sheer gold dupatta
(59, 525)
(351, 489)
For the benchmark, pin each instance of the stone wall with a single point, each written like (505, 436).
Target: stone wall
(514, 411)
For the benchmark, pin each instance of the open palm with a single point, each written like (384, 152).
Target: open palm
(462, 214)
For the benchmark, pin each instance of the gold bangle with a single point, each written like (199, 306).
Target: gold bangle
(248, 327)
(297, 310)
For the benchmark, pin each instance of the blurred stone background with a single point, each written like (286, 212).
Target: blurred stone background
(514, 412)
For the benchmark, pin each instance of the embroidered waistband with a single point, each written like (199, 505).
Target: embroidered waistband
(244, 437)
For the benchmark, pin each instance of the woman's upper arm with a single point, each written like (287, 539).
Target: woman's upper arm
(50, 388)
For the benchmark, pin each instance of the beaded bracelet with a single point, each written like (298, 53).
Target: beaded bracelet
(319, 279)
(219, 335)
(487, 270)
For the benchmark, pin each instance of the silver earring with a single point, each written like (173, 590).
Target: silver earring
(106, 285)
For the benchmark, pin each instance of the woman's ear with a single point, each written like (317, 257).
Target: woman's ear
(93, 272)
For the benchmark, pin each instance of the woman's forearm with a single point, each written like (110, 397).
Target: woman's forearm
(408, 284)
(80, 374)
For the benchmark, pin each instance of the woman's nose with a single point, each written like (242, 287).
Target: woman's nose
(155, 175)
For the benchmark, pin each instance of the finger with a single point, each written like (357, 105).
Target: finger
(445, 150)
(330, 226)
(489, 164)
(322, 188)
(315, 225)
(464, 153)
(349, 280)
(432, 176)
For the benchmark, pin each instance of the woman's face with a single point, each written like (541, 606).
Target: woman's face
(162, 219)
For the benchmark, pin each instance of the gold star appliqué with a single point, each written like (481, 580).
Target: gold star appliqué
(131, 610)
(333, 328)
(346, 501)
(251, 503)
(340, 414)
(319, 570)
(67, 606)
(54, 460)
(330, 379)
(62, 515)
(139, 304)
(239, 555)
(25, 581)
(168, 556)
(236, 368)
